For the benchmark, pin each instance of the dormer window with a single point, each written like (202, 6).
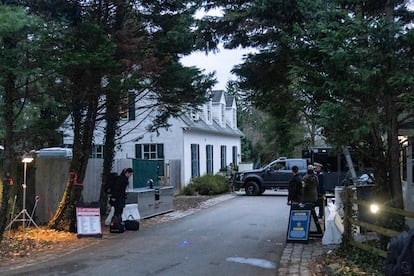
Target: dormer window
(234, 118)
(223, 115)
(194, 115)
(209, 115)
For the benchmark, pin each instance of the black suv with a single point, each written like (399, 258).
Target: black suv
(275, 175)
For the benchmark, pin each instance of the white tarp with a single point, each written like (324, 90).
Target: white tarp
(333, 226)
(130, 212)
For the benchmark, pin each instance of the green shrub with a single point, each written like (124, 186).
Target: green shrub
(359, 262)
(189, 190)
(209, 184)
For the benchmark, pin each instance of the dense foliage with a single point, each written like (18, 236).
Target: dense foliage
(207, 185)
(65, 57)
(341, 67)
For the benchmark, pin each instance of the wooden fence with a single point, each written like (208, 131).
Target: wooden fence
(350, 221)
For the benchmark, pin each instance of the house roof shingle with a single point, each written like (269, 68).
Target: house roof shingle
(202, 126)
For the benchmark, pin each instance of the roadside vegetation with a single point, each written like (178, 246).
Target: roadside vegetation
(207, 185)
(351, 261)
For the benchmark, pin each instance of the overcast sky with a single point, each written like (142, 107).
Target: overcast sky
(221, 63)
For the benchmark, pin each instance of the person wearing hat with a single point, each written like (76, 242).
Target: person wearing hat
(321, 190)
(310, 186)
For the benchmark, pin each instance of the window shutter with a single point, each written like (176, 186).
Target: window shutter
(160, 150)
(138, 151)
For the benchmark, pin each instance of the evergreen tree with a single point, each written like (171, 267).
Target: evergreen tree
(343, 65)
(132, 48)
(24, 73)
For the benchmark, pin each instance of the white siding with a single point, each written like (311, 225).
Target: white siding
(177, 139)
(203, 139)
(218, 108)
(231, 115)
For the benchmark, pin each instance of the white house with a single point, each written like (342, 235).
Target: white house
(197, 142)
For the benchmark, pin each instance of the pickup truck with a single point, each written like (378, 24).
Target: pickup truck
(275, 175)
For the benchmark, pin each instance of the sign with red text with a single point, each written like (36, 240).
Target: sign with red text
(88, 222)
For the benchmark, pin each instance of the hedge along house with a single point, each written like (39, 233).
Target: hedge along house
(198, 142)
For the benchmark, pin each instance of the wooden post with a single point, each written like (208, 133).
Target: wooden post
(347, 236)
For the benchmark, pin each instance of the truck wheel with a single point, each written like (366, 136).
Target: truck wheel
(251, 188)
(262, 190)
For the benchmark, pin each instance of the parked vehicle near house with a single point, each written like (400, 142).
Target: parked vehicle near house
(275, 175)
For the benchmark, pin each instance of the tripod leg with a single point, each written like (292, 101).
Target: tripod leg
(16, 218)
(30, 219)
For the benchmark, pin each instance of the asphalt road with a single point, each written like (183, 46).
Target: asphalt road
(240, 236)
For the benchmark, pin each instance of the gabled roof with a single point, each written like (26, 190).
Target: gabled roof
(216, 95)
(200, 125)
(229, 100)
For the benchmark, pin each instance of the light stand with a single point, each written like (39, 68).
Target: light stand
(24, 212)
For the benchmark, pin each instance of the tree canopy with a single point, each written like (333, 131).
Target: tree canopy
(95, 50)
(342, 66)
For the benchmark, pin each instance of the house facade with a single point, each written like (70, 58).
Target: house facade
(198, 142)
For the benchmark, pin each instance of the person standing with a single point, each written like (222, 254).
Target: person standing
(310, 186)
(295, 187)
(119, 191)
(321, 190)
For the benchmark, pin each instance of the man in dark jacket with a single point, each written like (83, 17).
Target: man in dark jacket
(311, 186)
(295, 187)
(119, 191)
(321, 190)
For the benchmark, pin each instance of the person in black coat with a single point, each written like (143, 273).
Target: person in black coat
(311, 186)
(119, 191)
(295, 187)
(321, 190)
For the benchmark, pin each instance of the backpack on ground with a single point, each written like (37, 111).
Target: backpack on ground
(116, 225)
(400, 255)
(110, 182)
(131, 224)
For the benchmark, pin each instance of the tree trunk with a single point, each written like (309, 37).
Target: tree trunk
(84, 125)
(394, 157)
(111, 118)
(9, 93)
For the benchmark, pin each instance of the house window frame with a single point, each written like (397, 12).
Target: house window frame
(131, 106)
(127, 107)
(234, 155)
(223, 115)
(152, 151)
(195, 160)
(209, 159)
(209, 112)
(223, 156)
(97, 152)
